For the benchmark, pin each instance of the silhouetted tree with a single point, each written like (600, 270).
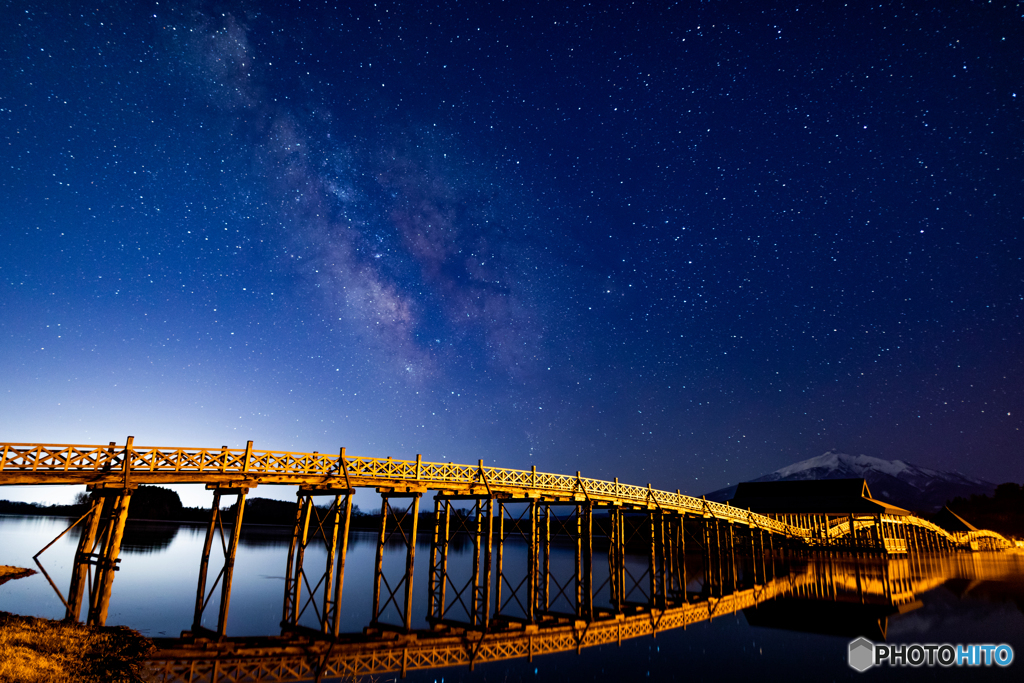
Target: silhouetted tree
(154, 502)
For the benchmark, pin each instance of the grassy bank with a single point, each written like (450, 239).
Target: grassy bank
(39, 650)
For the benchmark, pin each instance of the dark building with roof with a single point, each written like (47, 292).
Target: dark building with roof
(952, 522)
(839, 512)
(813, 496)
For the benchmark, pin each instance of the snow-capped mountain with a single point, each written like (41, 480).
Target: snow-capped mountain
(894, 481)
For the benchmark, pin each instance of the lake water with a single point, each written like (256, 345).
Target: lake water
(970, 598)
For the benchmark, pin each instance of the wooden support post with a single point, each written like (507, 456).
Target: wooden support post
(86, 545)
(436, 579)
(501, 558)
(755, 536)
(732, 557)
(587, 587)
(662, 557)
(532, 563)
(410, 558)
(340, 581)
(620, 560)
(682, 558)
(379, 564)
(485, 609)
(108, 562)
(126, 462)
(229, 562)
(327, 618)
(476, 617)
(302, 532)
(652, 559)
(204, 564)
(720, 557)
(705, 556)
(442, 578)
(544, 580)
(579, 559)
(611, 558)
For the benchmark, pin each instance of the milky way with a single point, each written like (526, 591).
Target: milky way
(681, 244)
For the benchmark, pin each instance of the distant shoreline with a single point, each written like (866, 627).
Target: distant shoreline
(9, 573)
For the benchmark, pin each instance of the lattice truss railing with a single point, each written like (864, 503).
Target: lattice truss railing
(353, 660)
(54, 458)
(840, 526)
(996, 539)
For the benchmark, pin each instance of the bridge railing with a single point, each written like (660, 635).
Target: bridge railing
(930, 526)
(39, 458)
(500, 477)
(23, 457)
(996, 538)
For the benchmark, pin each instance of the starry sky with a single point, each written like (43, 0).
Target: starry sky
(679, 243)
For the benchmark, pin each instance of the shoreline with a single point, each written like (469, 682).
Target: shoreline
(9, 573)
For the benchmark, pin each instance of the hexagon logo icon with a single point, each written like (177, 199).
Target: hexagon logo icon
(862, 654)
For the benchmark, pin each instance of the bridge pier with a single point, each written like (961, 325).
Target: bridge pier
(105, 531)
(656, 559)
(511, 526)
(576, 590)
(107, 564)
(585, 560)
(338, 517)
(226, 574)
(84, 558)
(616, 561)
(637, 525)
(480, 527)
(675, 587)
(381, 586)
(715, 558)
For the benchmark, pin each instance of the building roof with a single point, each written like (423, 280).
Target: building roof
(950, 521)
(815, 496)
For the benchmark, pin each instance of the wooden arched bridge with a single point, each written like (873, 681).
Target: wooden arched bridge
(525, 505)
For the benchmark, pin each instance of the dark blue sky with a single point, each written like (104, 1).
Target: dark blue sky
(681, 243)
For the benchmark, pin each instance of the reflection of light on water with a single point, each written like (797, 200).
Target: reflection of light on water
(958, 597)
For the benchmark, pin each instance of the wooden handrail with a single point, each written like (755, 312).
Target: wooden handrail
(46, 461)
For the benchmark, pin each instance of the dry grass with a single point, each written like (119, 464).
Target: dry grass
(38, 650)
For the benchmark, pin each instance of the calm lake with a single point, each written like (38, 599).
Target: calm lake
(968, 598)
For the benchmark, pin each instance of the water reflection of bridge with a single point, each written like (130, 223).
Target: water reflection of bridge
(297, 656)
(644, 533)
(848, 596)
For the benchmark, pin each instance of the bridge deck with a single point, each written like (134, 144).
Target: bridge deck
(22, 463)
(113, 465)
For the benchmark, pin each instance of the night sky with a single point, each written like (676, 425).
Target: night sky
(685, 244)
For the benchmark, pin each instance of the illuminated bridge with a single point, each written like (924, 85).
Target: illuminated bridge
(655, 528)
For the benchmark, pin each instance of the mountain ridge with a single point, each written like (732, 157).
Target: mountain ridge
(893, 481)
